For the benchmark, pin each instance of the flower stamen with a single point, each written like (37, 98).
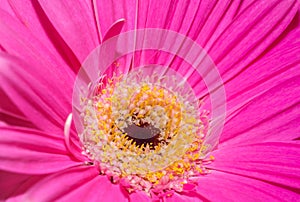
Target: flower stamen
(143, 134)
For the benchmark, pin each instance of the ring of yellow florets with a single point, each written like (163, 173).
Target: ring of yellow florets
(167, 163)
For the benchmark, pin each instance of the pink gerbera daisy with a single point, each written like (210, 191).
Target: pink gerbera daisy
(140, 101)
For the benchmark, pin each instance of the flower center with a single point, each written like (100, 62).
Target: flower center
(144, 132)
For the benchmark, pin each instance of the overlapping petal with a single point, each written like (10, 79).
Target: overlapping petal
(42, 94)
(27, 46)
(79, 184)
(250, 34)
(12, 185)
(273, 162)
(33, 17)
(257, 172)
(263, 171)
(77, 29)
(29, 151)
(247, 36)
(270, 116)
(10, 113)
(227, 187)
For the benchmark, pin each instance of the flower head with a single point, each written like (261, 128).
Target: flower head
(103, 101)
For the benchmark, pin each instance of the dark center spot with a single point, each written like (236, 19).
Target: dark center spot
(143, 134)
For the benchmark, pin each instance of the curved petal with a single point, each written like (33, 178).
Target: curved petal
(10, 114)
(9, 182)
(12, 185)
(41, 94)
(18, 40)
(114, 30)
(32, 152)
(35, 20)
(75, 23)
(42, 66)
(97, 189)
(276, 163)
(227, 187)
(79, 183)
(110, 12)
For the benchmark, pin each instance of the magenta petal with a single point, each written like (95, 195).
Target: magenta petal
(74, 184)
(97, 189)
(235, 55)
(12, 185)
(270, 116)
(9, 182)
(228, 187)
(251, 32)
(114, 30)
(111, 11)
(276, 163)
(278, 64)
(264, 104)
(139, 196)
(182, 198)
(10, 113)
(7, 8)
(29, 48)
(37, 95)
(32, 152)
(218, 16)
(182, 16)
(33, 17)
(74, 21)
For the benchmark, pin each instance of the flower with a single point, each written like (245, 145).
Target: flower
(254, 45)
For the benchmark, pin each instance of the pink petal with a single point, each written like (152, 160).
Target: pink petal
(3, 123)
(270, 116)
(109, 12)
(276, 163)
(97, 189)
(217, 19)
(75, 184)
(228, 187)
(183, 198)
(114, 30)
(268, 70)
(7, 8)
(75, 23)
(235, 44)
(139, 196)
(33, 17)
(188, 18)
(9, 182)
(10, 113)
(264, 80)
(41, 94)
(199, 20)
(32, 152)
(251, 32)
(12, 184)
(28, 47)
